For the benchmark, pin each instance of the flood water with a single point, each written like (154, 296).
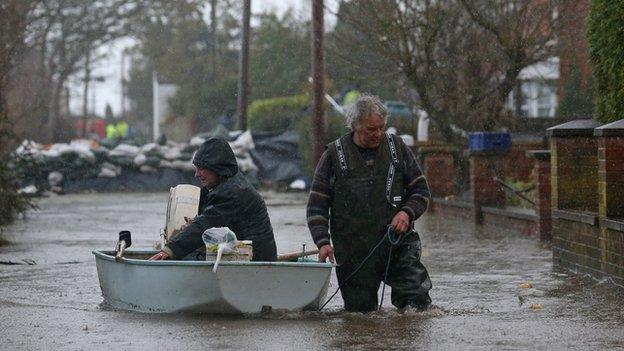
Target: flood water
(478, 302)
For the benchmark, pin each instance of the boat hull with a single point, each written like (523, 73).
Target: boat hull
(191, 286)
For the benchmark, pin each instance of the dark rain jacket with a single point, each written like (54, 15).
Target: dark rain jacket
(232, 203)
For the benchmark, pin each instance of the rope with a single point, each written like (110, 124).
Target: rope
(393, 242)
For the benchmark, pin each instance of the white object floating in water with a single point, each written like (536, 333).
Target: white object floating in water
(31, 189)
(55, 178)
(298, 184)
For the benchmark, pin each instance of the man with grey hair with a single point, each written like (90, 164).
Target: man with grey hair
(367, 185)
(366, 105)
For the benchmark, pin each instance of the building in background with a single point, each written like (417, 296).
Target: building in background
(560, 88)
(536, 94)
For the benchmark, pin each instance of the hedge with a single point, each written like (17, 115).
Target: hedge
(606, 51)
(276, 114)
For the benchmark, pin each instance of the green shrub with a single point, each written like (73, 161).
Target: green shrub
(335, 129)
(276, 114)
(606, 51)
(12, 203)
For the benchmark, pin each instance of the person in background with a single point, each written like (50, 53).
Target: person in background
(350, 96)
(122, 129)
(111, 132)
(226, 200)
(364, 182)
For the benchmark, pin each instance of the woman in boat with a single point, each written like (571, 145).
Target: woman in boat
(227, 200)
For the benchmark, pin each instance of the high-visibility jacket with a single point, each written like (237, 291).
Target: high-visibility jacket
(122, 129)
(111, 131)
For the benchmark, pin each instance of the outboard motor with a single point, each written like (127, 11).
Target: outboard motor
(124, 242)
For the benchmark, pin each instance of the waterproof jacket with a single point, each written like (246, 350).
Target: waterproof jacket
(232, 203)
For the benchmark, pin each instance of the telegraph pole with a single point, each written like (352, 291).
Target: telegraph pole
(243, 69)
(213, 32)
(123, 84)
(318, 120)
(85, 96)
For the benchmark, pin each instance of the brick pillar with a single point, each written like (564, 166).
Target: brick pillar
(438, 164)
(485, 191)
(543, 205)
(574, 181)
(574, 166)
(611, 170)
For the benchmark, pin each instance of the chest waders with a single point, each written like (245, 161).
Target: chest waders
(366, 196)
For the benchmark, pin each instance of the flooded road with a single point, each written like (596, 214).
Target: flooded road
(477, 295)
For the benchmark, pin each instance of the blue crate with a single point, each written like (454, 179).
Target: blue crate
(489, 141)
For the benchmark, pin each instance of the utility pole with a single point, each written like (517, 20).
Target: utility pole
(318, 120)
(243, 69)
(156, 106)
(85, 96)
(123, 84)
(213, 30)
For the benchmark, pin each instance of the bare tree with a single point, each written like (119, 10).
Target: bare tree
(461, 58)
(14, 20)
(63, 34)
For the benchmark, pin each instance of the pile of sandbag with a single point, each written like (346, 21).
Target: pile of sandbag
(242, 147)
(82, 159)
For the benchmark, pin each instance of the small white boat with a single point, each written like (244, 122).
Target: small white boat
(134, 283)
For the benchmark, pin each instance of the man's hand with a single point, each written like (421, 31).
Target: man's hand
(326, 251)
(160, 256)
(400, 222)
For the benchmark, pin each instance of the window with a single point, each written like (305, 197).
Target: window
(538, 99)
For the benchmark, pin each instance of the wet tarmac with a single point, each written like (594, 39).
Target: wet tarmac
(479, 299)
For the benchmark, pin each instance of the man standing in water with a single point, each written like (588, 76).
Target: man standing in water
(364, 182)
(226, 200)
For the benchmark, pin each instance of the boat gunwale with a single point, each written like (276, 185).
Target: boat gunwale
(99, 253)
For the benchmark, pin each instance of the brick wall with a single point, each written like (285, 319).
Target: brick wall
(612, 248)
(611, 176)
(575, 173)
(510, 221)
(438, 165)
(516, 164)
(451, 208)
(543, 202)
(483, 168)
(576, 245)
(588, 228)
(589, 248)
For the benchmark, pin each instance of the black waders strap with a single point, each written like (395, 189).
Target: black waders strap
(342, 159)
(393, 151)
(391, 169)
(389, 182)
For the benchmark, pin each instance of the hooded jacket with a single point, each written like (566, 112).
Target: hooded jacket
(232, 203)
